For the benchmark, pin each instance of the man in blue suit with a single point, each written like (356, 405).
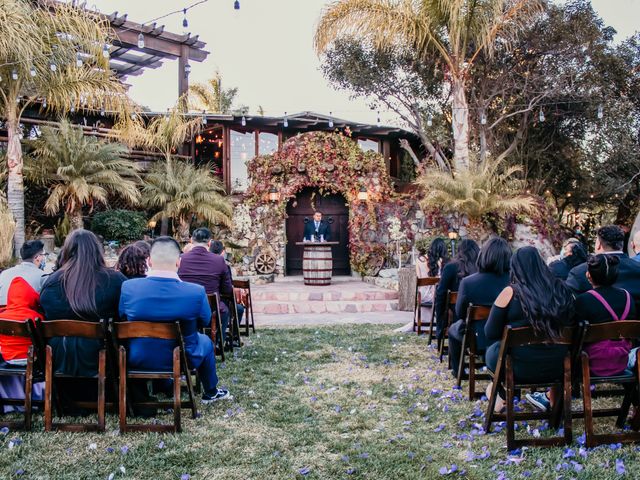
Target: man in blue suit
(317, 228)
(163, 297)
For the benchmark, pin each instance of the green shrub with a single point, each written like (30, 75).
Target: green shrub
(121, 225)
(61, 230)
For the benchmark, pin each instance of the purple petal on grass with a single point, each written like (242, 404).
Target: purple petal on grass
(364, 455)
(568, 453)
(109, 450)
(620, 470)
(526, 474)
(4, 430)
(439, 428)
(539, 462)
(276, 453)
(350, 471)
(443, 471)
(20, 471)
(615, 446)
(411, 455)
(345, 458)
(304, 470)
(576, 466)
(124, 449)
(185, 476)
(337, 408)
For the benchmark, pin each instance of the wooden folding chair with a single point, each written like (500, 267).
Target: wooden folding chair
(625, 329)
(417, 309)
(450, 302)
(216, 324)
(73, 328)
(23, 329)
(123, 331)
(249, 321)
(524, 336)
(475, 313)
(234, 324)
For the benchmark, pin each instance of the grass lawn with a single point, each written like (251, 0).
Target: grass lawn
(340, 402)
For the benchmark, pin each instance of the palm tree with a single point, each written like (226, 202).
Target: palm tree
(6, 233)
(81, 171)
(51, 54)
(490, 188)
(210, 96)
(456, 31)
(184, 193)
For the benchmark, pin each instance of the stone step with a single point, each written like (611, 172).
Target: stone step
(287, 295)
(319, 306)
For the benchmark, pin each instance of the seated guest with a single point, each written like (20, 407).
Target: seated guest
(609, 241)
(22, 304)
(635, 246)
(132, 262)
(572, 255)
(217, 248)
(207, 269)
(462, 265)
(83, 288)
(163, 297)
(31, 268)
(480, 288)
(605, 303)
(534, 298)
(429, 264)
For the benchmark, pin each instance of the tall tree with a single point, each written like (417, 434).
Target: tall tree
(54, 54)
(457, 30)
(212, 97)
(81, 171)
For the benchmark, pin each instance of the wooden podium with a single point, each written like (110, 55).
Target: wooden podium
(317, 262)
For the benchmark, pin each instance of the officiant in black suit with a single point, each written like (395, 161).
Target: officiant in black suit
(317, 227)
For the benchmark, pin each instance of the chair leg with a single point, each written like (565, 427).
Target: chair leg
(219, 337)
(511, 433)
(586, 401)
(122, 391)
(102, 374)
(176, 390)
(566, 394)
(192, 397)
(430, 337)
(250, 307)
(472, 374)
(48, 386)
(463, 354)
(624, 408)
(28, 389)
(492, 404)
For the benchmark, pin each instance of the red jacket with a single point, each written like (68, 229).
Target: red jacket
(22, 302)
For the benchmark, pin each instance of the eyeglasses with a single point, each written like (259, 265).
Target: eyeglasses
(43, 254)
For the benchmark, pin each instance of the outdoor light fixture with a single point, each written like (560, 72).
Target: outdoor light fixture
(32, 71)
(330, 120)
(541, 115)
(14, 74)
(483, 118)
(185, 24)
(141, 41)
(363, 195)
(244, 121)
(187, 70)
(236, 5)
(78, 60)
(274, 196)
(429, 120)
(600, 112)
(286, 122)
(44, 103)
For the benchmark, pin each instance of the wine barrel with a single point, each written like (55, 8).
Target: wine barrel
(317, 264)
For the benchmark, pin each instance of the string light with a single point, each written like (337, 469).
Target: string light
(483, 118)
(185, 23)
(541, 115)
(236, 5)
(14, 74)
(102, 112)
(600, 112)
(53, 66)
(78, 60)
(244, 121)
(32, 71)
(44, 103)
(330, 119)
(429, 120)
(105, 51)
(140, 40)
(286, 122)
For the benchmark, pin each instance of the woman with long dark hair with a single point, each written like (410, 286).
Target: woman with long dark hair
(429, 264)
(462, 265)
(536, 298)
(83, 288)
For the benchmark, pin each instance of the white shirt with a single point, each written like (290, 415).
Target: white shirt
(163, 274)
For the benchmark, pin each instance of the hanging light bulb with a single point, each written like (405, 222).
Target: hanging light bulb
(330, 119)
(429, 120)
(378, 121)
(78, 60)
(140, 40)
(14, 74)
(44, 103)
(236, 5)
(541, 116)
(187, 70)
(483, 118)
(204, 117)
(244, 121)
(600, 112)
(102, 112)
(53, 66)
(185, 23)
(286, 122)
(105, 51)
(72, 109)
(32, 71)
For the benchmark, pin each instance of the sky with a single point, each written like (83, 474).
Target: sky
(266, 50)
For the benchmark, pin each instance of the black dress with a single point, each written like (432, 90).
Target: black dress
(449, 280)
(73, 355)
(534, 363)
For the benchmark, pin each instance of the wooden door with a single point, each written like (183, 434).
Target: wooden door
(334, 211)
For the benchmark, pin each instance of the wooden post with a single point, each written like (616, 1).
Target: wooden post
(183, 78)
(406, 289)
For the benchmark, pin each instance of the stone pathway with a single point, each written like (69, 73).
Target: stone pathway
(288, 302)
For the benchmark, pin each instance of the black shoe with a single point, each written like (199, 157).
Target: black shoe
(220, 394)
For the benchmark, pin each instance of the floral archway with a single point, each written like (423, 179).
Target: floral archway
(331, 163)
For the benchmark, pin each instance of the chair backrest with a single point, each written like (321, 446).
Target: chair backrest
(246, 284)
(427, 281)
(16, 328)
(452, 297)
(625, 329)
(214, 302)
(71, 328)
(159, 330)
(477, 313)
(523, 336)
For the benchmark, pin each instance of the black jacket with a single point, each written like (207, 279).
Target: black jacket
(628, 277)
(479, 289)
(323, 229)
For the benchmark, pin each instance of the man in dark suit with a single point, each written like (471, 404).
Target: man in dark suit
(201, 266)
(317, 228)
(609, 241)
(163, 297)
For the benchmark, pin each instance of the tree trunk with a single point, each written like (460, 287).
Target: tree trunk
(460, 124)
(183, 230)
(76, 220)
(482, 135)
(164, 226)
(15, 179)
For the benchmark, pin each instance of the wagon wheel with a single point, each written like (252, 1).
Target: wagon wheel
(265, 263)
(374, 265)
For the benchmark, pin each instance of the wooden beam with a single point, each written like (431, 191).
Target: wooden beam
(158, 46)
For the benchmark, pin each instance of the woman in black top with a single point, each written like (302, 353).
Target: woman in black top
(574, 255)
(534, 298)
(83, 288)
(462, 265)
(481, 288)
